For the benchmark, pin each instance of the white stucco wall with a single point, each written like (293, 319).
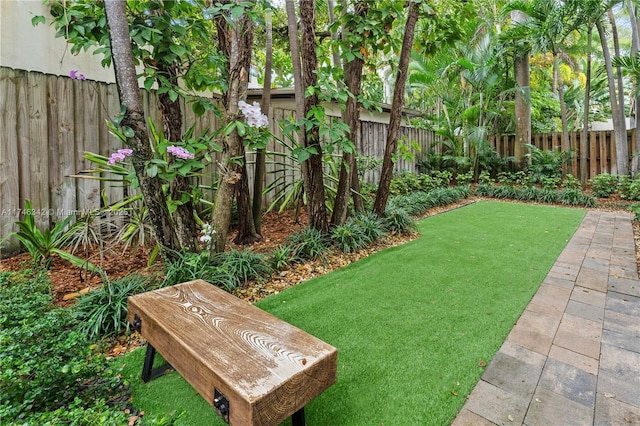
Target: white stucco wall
(25, 47)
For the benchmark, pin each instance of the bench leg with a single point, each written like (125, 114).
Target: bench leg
(298, 418)
(148, 372)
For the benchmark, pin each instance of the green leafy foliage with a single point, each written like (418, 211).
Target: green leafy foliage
(103, 312)
(47, 368)
(308, 244)
(245, 265)
(546, 163)
(41, 244)
(398, 221)
(604, 185)
(282, 256)
(357, 232)
(629, 188)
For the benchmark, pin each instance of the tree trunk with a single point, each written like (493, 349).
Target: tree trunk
(584, 145)
(395, 119)
(619, 131)
(298, 86)
(351, 117)
(619, 82)
(635, 47)
(129, 93)
(566, 143)
(246, 228)
(230, 171)
(265, 104)
(311, 137)
(522, 100)
(183, 217)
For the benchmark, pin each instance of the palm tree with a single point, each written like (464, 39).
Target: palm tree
(547, 25)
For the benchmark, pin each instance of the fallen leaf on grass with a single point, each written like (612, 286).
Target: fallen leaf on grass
(482, 364)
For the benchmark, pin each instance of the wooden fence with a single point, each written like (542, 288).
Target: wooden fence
(48, 122)
(600, 153)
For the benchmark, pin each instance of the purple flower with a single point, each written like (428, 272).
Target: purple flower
(178, 151)
(119, 155)
(76, 75)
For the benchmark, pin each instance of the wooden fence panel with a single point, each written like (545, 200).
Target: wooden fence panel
(9, 154)
(48, 122)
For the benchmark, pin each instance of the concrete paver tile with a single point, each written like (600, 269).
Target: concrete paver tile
(611, 412)
(622, 323)
(589, 296)
(553, 280)
(593, 279)
(586, 311)
(550, 409)
(623, 389)
(535, 322)
(624, 285)
(597, 264)
(581, 326)
(571, 382)
(578, 343)
(590, 365)
(512, 374)
(624, 268)
(540, 343)
(623, 303)
(469, 418)
(497, 405)
(626, 341)
(524, 354)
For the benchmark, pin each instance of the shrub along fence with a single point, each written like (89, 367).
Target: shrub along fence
(600, 154)
(47, 122)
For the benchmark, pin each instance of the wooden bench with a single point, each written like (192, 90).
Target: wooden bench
(252, 367)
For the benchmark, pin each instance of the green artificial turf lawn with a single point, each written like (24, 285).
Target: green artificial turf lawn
(413, 324)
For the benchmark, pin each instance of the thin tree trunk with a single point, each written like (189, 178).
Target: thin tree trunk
(171, 111)
(311, 139)
(233, 147)
(584, 145)
(635, 47)
(265, 104)
(566, 143)
(619, 131)
(298, 86)
(395, 119)
(246, 228)
(522, 99)
(351, 117)
(129, 93)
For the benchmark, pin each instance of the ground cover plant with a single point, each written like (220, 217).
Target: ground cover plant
(414, 325)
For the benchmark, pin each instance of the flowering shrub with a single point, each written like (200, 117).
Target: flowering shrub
(253, 114)
(119, 155)
(207, 236)
(178, 151)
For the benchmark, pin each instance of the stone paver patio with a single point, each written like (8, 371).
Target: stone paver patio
(573, 357)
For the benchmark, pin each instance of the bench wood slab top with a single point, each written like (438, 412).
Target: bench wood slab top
(265, 367)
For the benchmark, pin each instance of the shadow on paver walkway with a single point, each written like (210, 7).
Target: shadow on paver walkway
(573, 357)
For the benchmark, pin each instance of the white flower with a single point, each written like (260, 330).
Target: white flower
(205, 238)
(253, 114)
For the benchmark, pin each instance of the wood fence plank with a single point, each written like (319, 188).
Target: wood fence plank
(24, 152)
(593, 154)
(9, 160)
(89, 105)
(604, 152)
(39, 169)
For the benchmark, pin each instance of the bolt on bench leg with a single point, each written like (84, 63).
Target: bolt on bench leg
(148, 372)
